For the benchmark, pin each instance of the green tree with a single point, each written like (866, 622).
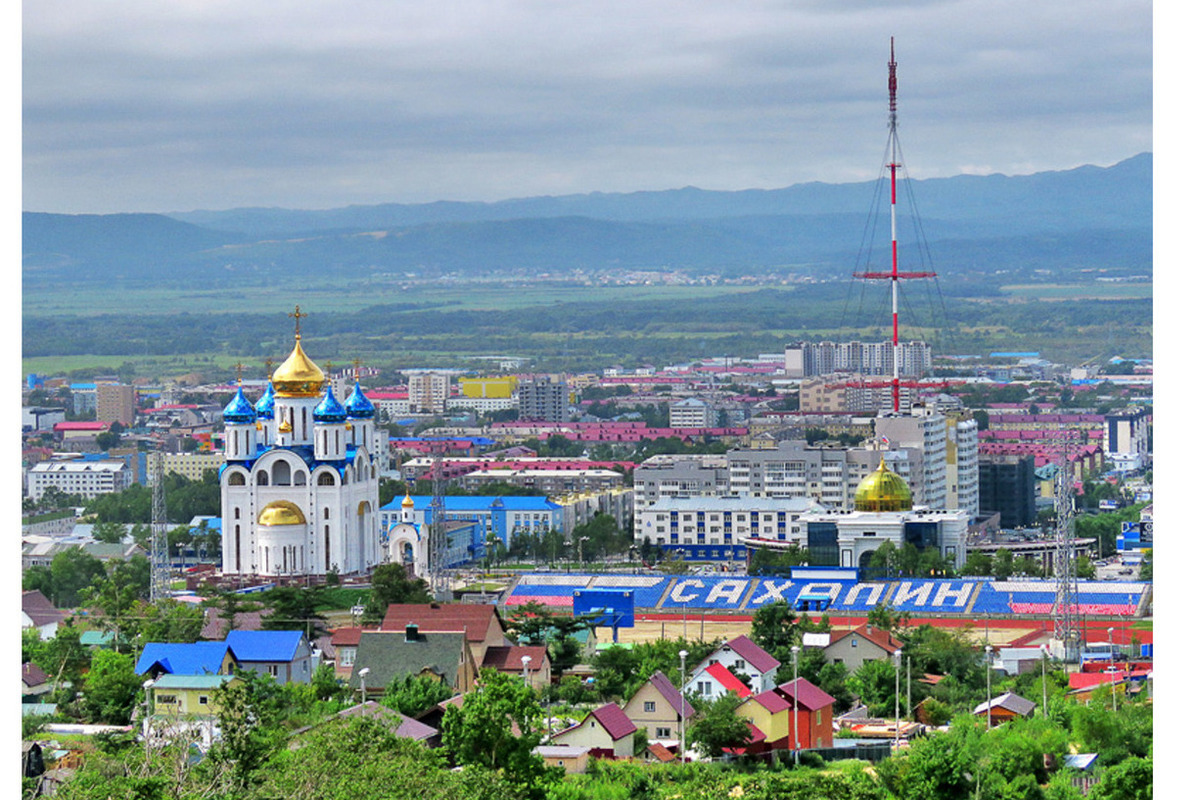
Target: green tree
(717, 726)
(774, 628)
(874, 683)
(1002, 564)
(71, 571)
(108, 532)
(1146, 571)
(977, 563)
(294, 608)
(228, 605)
(115, 596)
(1132, 779)
(248, 710)
(481, 730)
(390, 584)
(111, 688)
(359, 759)
(65, 660)
(168, 620)
(414, 694)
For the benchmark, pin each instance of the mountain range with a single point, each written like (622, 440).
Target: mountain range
(1050, 223)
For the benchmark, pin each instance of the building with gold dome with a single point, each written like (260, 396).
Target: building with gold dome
(300, 485)
(723, 528)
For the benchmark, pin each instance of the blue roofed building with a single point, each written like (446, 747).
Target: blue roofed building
(283, 655)
(502, 516)
(194, 658)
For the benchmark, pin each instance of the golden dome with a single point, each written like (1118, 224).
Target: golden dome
(407, 502)
(281, 512)
(298, 376)
(883, 490)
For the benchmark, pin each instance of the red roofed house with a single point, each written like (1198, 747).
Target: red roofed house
(482, 623)
(508, 661)
(656, 707)
(606, 732)
(853, 648)
(813, 714)
(769, 713)
(714, 681)
(743, 656)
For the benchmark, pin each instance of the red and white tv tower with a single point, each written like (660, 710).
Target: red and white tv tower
(895, 276)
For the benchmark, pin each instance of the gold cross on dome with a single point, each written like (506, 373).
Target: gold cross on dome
(357, 363)
(238, 368)
(297, 315)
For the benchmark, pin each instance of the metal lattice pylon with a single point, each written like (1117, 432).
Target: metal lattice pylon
(1067, 627)
(160, 565)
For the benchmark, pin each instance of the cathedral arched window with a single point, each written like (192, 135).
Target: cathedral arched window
(325, 479)
(280, 474)
(237, 513)
(237, 479)
(261, 477)
(298, 478)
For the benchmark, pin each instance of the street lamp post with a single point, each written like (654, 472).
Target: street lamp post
(988, 667)
(1112, 664)
(362, 679)
(682, 707)
(898, 655)
(580, 541)
(146, 733)
(795, 708)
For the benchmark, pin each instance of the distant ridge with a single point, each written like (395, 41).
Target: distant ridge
(1100, 190)
(1085, 218)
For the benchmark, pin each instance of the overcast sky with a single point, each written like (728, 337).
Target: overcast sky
(187, 104)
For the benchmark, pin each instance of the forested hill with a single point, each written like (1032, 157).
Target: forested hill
(1085, 218)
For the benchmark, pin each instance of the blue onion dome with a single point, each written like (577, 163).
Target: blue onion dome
(329, 409)
(357, 404)
(266, 404)
(239, 411)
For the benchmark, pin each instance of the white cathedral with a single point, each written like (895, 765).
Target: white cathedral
(300, 485)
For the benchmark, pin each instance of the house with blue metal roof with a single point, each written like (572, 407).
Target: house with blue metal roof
(195, 658)
(283, 655)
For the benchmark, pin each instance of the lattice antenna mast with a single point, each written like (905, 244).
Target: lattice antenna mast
(160, 564)
(1067, 628)
(895, 276)
(439, 577)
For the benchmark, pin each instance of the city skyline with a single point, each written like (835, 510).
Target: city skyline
(214, 105)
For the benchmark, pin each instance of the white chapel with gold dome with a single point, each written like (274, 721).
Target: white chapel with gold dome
(300, 485)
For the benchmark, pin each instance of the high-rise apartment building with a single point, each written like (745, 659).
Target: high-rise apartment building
(428, 391)
(809, 359)
(116, 402)
(544, 398)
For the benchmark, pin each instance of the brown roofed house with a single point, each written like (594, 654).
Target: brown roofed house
(38, 612)
(853, 648)
(656, 707)
(508, 661)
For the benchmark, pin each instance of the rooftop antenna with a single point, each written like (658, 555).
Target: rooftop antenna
(895, 275)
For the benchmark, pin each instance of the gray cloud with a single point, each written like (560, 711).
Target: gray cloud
(200, 104)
